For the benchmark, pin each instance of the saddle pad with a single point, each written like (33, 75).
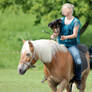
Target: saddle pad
(84, 61)
(83, 50)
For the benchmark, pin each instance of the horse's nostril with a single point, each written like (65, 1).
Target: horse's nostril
(20, 70)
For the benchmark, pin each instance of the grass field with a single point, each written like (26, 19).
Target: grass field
(11, 81)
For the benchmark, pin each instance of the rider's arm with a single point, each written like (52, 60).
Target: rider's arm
(75, 32)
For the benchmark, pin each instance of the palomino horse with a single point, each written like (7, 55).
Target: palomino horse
(58, 63)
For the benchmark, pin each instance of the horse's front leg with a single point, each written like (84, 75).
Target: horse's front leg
(52, 84)
(62, 86)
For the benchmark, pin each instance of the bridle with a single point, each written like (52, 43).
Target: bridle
(29, 63)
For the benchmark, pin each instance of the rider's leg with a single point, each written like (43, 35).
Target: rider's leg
(77, 60)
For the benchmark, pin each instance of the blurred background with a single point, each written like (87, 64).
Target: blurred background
(28, 19)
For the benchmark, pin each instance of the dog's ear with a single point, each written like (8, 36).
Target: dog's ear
(55, 23)
(50, 25)
(59, 20)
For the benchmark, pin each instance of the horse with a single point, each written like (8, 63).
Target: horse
(57, 60)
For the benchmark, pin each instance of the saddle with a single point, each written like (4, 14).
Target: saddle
(83, 50)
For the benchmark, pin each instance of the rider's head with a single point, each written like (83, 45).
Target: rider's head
(67, 9)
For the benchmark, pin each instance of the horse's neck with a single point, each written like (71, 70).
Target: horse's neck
(43, 51)
(46, 49)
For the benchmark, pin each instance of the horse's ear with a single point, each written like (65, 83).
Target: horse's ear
(31, 46)
(23, 41)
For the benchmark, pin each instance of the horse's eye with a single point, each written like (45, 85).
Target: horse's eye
(28, 54)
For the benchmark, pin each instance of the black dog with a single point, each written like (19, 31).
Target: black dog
(55, 24)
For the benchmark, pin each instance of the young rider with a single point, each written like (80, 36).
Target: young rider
(69, 36)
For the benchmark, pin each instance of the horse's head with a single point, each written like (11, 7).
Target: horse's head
(28, 57)
(55, 25)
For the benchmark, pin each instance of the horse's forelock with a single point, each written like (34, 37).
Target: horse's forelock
(26, 47)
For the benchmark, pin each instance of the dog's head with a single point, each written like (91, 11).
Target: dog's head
(55, 24)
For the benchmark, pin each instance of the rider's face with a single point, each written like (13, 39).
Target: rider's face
(66, 11)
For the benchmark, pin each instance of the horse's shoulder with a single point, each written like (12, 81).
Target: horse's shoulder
(63, 48)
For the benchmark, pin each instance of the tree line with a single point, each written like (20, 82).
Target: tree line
(50, 9)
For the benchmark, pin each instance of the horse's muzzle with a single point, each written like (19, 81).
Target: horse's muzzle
(22, 68)
(21, 71)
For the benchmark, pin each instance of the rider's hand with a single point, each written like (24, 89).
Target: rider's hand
(63, 37)
(52, 36)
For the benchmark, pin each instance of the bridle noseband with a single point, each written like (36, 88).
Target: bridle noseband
(29, 63)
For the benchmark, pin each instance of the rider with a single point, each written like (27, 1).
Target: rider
(69, 36)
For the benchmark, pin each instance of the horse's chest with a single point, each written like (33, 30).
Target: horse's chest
(55, 79)
(56, 74)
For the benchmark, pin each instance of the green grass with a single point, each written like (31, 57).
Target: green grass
(11, 81)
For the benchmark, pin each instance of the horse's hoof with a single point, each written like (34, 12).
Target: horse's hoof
(79, 85)
(44, 80)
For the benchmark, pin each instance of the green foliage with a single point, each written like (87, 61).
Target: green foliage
(13, 28)
(51, 8)
(48, 8)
